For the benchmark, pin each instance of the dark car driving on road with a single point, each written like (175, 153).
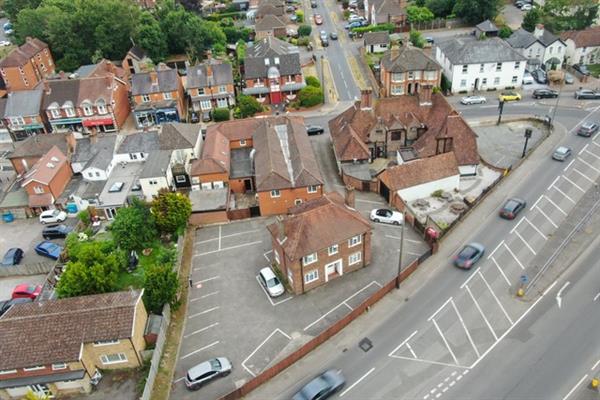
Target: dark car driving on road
(469, 255)
(512, 207)
(322, 387)
(314, 130)
(545, 94)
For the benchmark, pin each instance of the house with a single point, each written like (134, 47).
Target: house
(119, 189)
(101, 68)
(4, 133)
(583, 47)
(385, 12)
(92, 157)
(156, 174)
(270, 7)
(210, 85)
(184, 141)
(136, 61)
(406, 69)
(26, 65)
(47, 179)
(367, 137)
(419, 178)
(29, 151)
(272, 71)
(157, 97)
(541, 47)
(270, 25)
(320, 240)
(486, 29)
(376, 42)
(23, 114)
(471, 64)
(89, 333)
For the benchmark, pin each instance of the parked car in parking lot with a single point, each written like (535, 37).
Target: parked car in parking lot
(12, 257)
(469, 255)
(27, 291)
(561, 153)
(386, 216)
(322, 387)
(206, 371)
(313, 4)
(509, 96)
(271, 283)
(587, 94)
(569, 80)
(527, 79)
(587, 129)
(540, 76)
(544, 94)
(512, 207)
(56, 231)
(49, 249)
(314, 130)
(526, 7)
(582, 69)
(473, 100)
(355, 24)
(52, 216)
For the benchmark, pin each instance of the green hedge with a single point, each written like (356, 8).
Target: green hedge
(217, 17)
(375, 28)
(221, 114)
(313, 81)
(310, 96)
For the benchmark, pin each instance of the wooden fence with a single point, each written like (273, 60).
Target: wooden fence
(27, 269)
(158, 351)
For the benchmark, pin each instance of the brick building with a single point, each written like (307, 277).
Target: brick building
(406, 69)
(29, 151)
(210, 85)
(23, 114)
(26, 65)
(320, 240)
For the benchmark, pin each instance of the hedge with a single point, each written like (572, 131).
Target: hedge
(375, 28)
(313, 81)
(221, 114)
(310, 96)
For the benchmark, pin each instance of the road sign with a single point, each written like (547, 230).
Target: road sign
(524, 279)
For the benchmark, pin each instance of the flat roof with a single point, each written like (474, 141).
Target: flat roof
(240, 163)
(209, 200)
(126, 174)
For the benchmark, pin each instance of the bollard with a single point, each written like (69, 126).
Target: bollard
(595, 383)
(520, 292)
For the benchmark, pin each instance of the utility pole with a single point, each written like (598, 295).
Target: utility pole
(400, 255)
(500, 109)
(528, 132)
(551, 122)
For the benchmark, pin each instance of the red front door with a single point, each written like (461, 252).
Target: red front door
(275, 97)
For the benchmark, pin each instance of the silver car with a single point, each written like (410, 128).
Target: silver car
(269, 280)
(322, 387)
(206, 371)
(561, 153)
(473, 100)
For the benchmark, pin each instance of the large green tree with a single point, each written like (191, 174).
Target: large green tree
(531, 19)
(151, 38)
(13, 7)
(171, 210)
(418, 14)
(560, 15)
(134, 227)
(475, 11)
(248, 106)
(160, 286)
(440, 8)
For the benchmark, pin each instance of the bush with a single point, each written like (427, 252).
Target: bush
(346, 14)
(304, 30)
(375, 28)
(304, 41)
(313, 81)
(84, 217)
(417, 39)
(221, 114)
(505, 32)
(248, 106)
(310, 96)
(300, 16)
(438, 193)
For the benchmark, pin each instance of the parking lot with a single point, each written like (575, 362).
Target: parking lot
(231, 315)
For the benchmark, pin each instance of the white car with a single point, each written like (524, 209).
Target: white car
(526, 7)
(4, 43)
(52, 216)
(269, 280)
(473, 100)
(387, 216)
(355, 18)
(527, 79)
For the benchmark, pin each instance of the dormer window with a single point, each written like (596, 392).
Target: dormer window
(101, 106)
(55, 113)
(145, 98)
(69, 110)
(87, 109)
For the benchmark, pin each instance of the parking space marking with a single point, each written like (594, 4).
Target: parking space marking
(403, 343)
(582, 174)
(405, 239)
(203, 312)
(555, 205)
(583, 149)
(589, 165)
(439, 309)
(535, 228)
(408, 346)
(265, 255)
(268, 296)
(536, 203)
(564, 194)
(553, 182)
(501, 271)
(201, 330)
(573, 183)
(575, 387)
(460, 318)
(497, 247)
(481, 312)
(592, 153)
(227, 248)
(517, 225)
(547, 217)
(568, 165)
(514, 256)
(226, 236)
(357, 382)
(209, 279)
(526, 245)
(200, 349)
(205, 296)
(445, 341)
(259, 346)
(496, 298)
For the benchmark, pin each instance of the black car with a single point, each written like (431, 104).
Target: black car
(322, 387)
(5, 305)
(56, 231)
(194, 118)
(12, 257)
(314, 130)
(469, 255)
(588, 129)
(582, 69)
(545, 94)
(512, 207)
(539, 76)
(313, 4)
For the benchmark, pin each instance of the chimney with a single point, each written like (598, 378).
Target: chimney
(93, 136)
(71, 142)
(47, 89)
(110, 67)
(154, 78)
(162, 66)
(280, 229)
(62, 75)
(425, 92)
(349, 196)
(208, 54)
(28, 39)
(539, 30)
(366, 99)
(209, 72)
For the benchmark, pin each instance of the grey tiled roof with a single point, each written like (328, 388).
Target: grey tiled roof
(101, 152)
(408, 59)
(487, 26)
(23, 103)
(469, 50)
(197, 76)
(142, 83)
(177, 135)
(156, 164)
(274, 50)
(372, 38)
(269, 22)
(521, 39)
(141, 142)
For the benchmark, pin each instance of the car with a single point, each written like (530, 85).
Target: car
(569, 80)
(293, 18)
(429, 40)
(355, 18)
(27, 291)
(540, 76)
(291, 32)
(526, 7)
(386, 216)
(473, 100)
(49, 249)
(4, 43)
(271, 283)
(587, 129)
(333, 36)
(512, 207)
(206, 116)
(318, 19)
(56, 231)
(313, 4)
(194, 118)
(582, 69)
(12, 257)
(469, 255)
(206, 371)
(527, 79)
(586, 94)
(509, 96)
(314, 130)
(322, 387)
(52, 216)
(561, 153)
(6, 305)
(8, 28)
(324, 39)
(544, 94)
(355, 24)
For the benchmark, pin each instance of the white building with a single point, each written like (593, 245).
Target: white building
(583, 47)
(156, 174)
(471, 64)
(541, 47)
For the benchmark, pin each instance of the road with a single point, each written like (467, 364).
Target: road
(421, 347)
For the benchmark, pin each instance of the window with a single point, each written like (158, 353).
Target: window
(101, 106)
(180, 178)
(38, 189)
(309, 259)
(97, 174)
(106, 342)
(481, 67)
(396, 136)
(69, 111)
(311, 276)
(87, 109)
(258, 83)
(430, 75)
(58, 366)
(205, 105)
(113, 358)
(167, 96)
(200, 91)
(515, 79)
(497, 80)
(90, 175)
(8, 371)
(242, 142)
(517, 64)
(411, 75)
(145, 98)
(354, 240)
(559, 49)
(36, 368)
(55, 113)
(312, 188)
(222, 103)
(333, 249)
(132, 156)
(398, 77)
(463, 83)
(275, 193)
(354, 258)
(297, 202)
(290, 276)
(17, 121)
(530, 53)
(498, 67)
(222, 89)
(484, 81)
(465, 68)
(551, 49)
(397, 90)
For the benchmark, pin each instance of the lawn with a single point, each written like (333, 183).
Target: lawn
(135, 279)
(594, 70)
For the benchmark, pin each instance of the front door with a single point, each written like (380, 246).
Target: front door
(248, 184)
(333, 268)
(275, 97)
(476, 86)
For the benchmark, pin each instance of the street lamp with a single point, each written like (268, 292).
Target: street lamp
(528, 133)
(500, 110)
(400, 255)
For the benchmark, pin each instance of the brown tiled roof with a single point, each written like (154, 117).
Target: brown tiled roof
(318, 224)
(269, 22)
(62, 326)
(589, 37)
(420, 171)
(95, 88)
(46, 168)
(38, 145)
(22, 54)
(349, 133)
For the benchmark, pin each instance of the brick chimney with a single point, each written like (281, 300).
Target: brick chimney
(280, 229)
(366, 98)
(154, 78)
(47, 89)
(538, 31)
(62, 75)
(349, 196)
(425, 92)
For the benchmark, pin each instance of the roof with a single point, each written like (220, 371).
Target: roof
(408, 58)
(140, 142)
(373, 38)
(23, 103)
(41, 200)
(38, 145)
(470, 50)
(137, 52)
(60, 91)
(487, 26)
(350, 130)
(198, 77)
(67, 324)
(318, 224)
(521, 39)
(277, 52)
(156, 164)
(95, 155)
(269, 22)
(167, 81)
(589, 37)
(387, 9)
(178, 135)
(127, 174)
(46, 168)
(22, 54)
(209, 200)
(284, 156)
(420, 171)
(2, 107)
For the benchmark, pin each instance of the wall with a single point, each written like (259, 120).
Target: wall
(281, 204)
(424, 190)
(207, 178)
(467, 170)
(158, 349)
(139, 325)
(387, 81)
(360, 185)
(506, 74)
(61, 180)
(102, 175)
(151, 190)
(121, 103)
(27, 269)
(211, 217)
(124, 346)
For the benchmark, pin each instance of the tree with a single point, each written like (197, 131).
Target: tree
(172, 209)
(418, 14)
(160, 287)
(134, 227)
(531, 19)
(13, 7)
(304, 30)
(505, 32)
(416, 39)
(299, 16)
(151, 38)
(248, 106)
(440, 8)
(313, 81)
(562, 15)
(475, 11)
(220, 114)
(310, 96)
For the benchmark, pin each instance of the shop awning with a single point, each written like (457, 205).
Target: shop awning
(98, 121)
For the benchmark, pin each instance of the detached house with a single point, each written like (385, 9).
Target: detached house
(88, 334)
(376, 42)
(25, 66)
(210, 85)
(385, 12)
(157, 97)
(541, 47)
(471, 64)
(272, 71)
(583, 47)
(23, 114)
(270, 25)
(406, 69)
(320, 240)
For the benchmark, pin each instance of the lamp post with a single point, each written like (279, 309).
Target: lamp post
(528, 132)
(500, 109)
(400, 255)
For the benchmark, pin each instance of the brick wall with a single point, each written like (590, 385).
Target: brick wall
(61, 180)
(280, 205)
(212, 217)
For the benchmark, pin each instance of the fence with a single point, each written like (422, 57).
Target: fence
(27, 269)
(438, 23)
(325, 335)
(157, 354)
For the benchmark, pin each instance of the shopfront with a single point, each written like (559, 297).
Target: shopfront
(67, 124)
(106, 124)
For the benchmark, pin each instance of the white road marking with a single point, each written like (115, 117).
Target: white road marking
(536, 228)
(589, 165)
(200, 349)
(179, 379)
(575, 387)
(205, 296)
(573, 183)
(227, 248)
(370, 201)
(516, 225)
(470, 277)
(583, 149)
(568, 165)
(536, 203)
(209, 279)
(200, 330)
(445, 341)
(439, 309)
(444, 390)
(514, 256)
(259, 346)
(525, 242)
(595, 365)
(501, 271)
(584, 175)
(451, 383)
(429, 362)
(203, 312)
(596, 297)
(409, 347)
(493, 251)
(555, 205)
(219, 237)
(564, 194)
(357, 382)
(553, 182)
(547, 217)
(496, 298)
(265, 255)
(460, 318)
(593, 154)
(482, 314)
(402, 344)
(559, 294)
(458, 378)
(438, 395)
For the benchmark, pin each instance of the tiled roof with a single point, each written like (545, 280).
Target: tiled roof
(197, 75)
(38, 145)
(46, 168)
(279, 53)
(385, 9)
(269, 22)
(60, 91)
(318, 224)
(64, 325)
(470, 50)
(90, 89)
(167, 79)
(487, 26)
(23, 103)
(269, 9)
(140, 142)
(521, 39)
(95, 155)
(589, 37)
(22, 54)
(178, 135)
(373, 38)
(156, 164)
(405, 59)
(420, 171)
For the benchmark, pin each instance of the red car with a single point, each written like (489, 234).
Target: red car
(318, 19)
(26, 291)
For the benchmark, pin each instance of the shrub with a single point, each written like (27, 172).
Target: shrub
(438, 193)
(248, 106)
(505, 32)
(375, 28)
(346, 14)
(417, 39)
(304, 30)
(304, 41)
(313, 81)
(84, 217)
(221, 114)
(300, 16)
(310, 96)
